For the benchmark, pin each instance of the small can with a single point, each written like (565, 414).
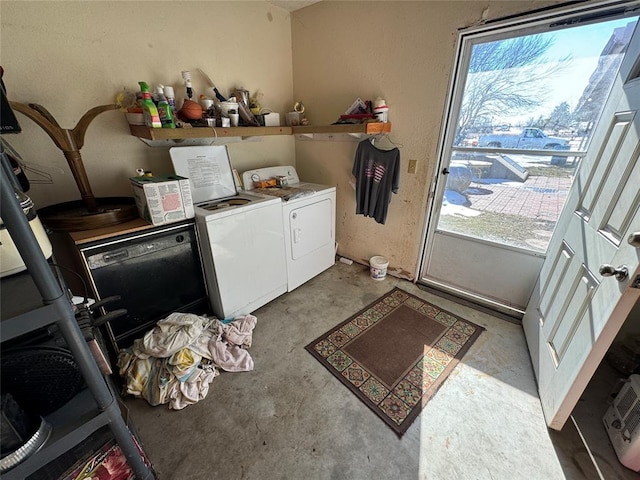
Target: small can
(281, 181)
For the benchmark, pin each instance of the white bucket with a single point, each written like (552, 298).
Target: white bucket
(378, 266)
(226, 106)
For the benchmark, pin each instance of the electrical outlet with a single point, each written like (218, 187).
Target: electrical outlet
(413, 164)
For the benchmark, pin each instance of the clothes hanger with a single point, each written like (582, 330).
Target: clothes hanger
(34, 175)
(37, 176)
(381, 137)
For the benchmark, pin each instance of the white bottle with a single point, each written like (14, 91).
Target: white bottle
(171, 97)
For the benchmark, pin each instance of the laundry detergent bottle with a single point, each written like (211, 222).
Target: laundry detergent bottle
(149, 109)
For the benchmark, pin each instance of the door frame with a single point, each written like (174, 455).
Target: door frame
(504, 28)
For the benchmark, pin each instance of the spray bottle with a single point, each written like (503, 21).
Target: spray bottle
(164, 109)
(151, 116)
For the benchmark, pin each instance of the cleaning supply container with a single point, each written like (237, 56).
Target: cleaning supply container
(378, 267)
(226, 106)
(381, 110)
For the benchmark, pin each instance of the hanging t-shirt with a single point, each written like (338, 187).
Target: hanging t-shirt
(377, 174)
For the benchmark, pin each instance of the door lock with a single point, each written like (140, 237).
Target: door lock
(621, 273)
(634, 239)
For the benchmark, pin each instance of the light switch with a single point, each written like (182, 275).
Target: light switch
(413, 164)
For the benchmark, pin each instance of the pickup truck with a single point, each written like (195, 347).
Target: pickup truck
(530, 138)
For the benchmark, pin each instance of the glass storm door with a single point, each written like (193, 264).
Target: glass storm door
(524, 102)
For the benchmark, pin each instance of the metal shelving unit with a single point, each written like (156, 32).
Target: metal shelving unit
(95, 406)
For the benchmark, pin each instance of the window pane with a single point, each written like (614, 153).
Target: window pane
(527, 93)
(510, 199)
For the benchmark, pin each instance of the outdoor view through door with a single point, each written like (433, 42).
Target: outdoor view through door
(524, 103)
(535, 92)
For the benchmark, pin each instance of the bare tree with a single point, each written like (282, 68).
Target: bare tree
(561, 117)
(597, 90)
(539, 122)
(506, 76)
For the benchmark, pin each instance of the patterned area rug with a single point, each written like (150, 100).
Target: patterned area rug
(395, 353)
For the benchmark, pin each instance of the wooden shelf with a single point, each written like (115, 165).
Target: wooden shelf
(372, 128)
(147, 133)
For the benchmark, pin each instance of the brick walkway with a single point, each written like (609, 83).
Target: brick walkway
(538, 197)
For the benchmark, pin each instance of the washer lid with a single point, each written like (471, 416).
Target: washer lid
(208, 169)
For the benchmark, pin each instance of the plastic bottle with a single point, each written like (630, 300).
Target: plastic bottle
(164, 109)
(151, 116)
(171, 97)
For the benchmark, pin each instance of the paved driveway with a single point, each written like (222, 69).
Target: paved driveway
(538, 197)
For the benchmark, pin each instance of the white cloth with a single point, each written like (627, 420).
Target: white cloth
(166, 365)
(173, 333)
(229, 357)
(240, 331)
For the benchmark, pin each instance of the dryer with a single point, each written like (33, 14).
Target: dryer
(309, 219)
(240, 234)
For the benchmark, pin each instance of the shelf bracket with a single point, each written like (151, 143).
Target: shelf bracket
(334, 137)
(190, 142)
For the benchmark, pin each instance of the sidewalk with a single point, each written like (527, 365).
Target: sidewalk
(538, 197)
(521, 214)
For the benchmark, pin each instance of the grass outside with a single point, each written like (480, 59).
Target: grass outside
(528, 232)
(551, 171)
(514, 230)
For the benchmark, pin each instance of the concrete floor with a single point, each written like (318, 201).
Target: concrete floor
(291, 419)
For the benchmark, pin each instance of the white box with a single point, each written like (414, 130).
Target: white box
(272, 119)
(163, 199)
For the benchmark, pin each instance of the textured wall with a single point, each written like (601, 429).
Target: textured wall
(72, 56)
(402, 52)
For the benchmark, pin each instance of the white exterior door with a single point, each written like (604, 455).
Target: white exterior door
(577, 308)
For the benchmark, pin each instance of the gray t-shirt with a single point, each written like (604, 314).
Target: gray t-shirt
(377, 174)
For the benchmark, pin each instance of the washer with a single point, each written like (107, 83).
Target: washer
(309, 216)
(241, 234)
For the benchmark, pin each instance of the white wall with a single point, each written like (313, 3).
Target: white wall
(72, 56)
(402, 52)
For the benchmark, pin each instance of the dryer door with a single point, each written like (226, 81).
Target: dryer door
(310, 228)
(310, 241)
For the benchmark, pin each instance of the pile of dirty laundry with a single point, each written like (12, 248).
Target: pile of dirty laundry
(176, 361)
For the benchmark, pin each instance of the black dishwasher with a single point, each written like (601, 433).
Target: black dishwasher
(155, 273)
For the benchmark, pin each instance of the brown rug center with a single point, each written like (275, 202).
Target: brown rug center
(395, 353)
(388, 348)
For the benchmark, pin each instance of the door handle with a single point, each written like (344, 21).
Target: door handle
(634, 239)
(621, 273)
(445, 171)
